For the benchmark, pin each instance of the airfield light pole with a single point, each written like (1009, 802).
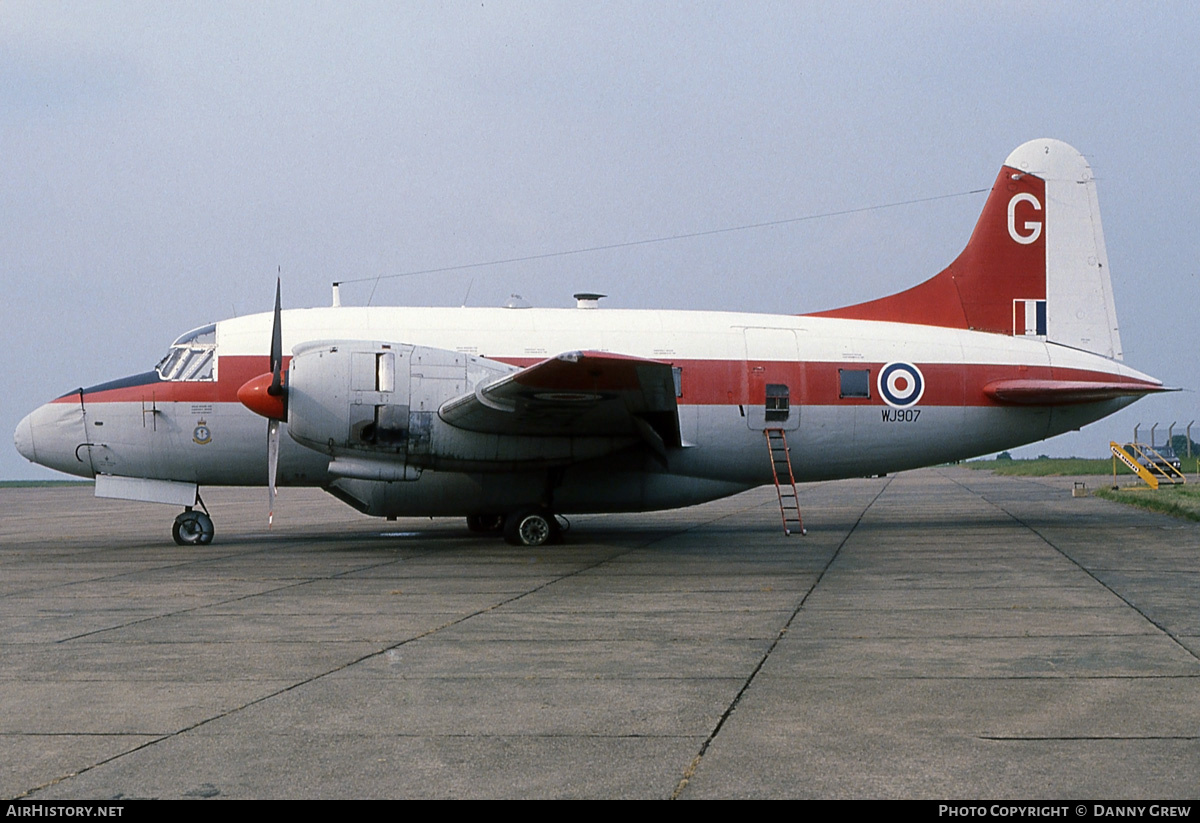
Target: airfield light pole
(1152, 428)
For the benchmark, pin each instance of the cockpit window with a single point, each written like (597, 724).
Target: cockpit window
(193, 356)
(203, 336)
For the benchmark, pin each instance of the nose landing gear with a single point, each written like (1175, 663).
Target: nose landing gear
(192, 528)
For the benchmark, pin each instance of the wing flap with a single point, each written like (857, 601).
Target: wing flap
(576, 394)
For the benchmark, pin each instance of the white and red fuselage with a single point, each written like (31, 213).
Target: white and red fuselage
(1016, 341)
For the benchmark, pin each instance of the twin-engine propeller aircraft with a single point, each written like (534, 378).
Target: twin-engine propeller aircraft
(512, 416)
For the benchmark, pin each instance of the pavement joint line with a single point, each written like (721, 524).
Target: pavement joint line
(79, 734)
(1195, 655)
(1037, 739)
(206, 559)
(291, 585)
(398, 736)
(102, 578)
(690, 771)
(1046, 678)
(343, 666)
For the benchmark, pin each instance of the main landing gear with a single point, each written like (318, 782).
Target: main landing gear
(192, 528)
(483, 523)
(532, 526)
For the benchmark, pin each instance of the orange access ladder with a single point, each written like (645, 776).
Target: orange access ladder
(785, 481)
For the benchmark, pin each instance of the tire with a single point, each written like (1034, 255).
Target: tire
(192, 529)
(530, 527)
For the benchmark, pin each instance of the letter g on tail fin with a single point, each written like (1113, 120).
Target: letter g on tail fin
(1035, 264)
(1080, 311)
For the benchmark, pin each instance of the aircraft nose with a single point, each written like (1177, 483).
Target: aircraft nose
(23, 438)
(51, 435)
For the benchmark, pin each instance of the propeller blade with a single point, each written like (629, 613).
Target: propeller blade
(272, 466)
(276, 348)
(277, 390)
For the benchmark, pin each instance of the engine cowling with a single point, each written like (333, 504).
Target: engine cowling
(353, 396)
(373, 408)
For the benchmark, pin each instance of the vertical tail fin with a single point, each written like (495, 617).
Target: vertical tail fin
(1034, 266)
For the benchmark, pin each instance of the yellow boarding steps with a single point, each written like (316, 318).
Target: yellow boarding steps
(1146, 463)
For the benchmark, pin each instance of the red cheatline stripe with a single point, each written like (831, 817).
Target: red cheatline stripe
(705, 382)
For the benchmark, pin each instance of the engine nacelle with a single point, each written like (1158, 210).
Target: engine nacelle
(355, 396)
(374, 408)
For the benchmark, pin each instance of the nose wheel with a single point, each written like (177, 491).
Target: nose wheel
(192, 528)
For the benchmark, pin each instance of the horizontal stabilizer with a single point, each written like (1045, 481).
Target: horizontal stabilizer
(1064, 392)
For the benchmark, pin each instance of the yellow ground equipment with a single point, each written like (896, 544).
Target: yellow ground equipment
(1146, 463)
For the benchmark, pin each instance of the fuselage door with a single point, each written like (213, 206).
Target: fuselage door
(773, 378)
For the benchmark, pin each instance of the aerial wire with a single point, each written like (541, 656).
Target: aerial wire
(647, 241)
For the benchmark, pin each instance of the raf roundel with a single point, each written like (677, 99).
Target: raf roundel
(901, 385)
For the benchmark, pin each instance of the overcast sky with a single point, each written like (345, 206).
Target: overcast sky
(160, 161)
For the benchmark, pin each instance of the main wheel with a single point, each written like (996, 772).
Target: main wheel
(485, 522)
(192, 528)
(530, 527)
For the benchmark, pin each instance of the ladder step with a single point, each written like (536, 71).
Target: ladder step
(785, 479)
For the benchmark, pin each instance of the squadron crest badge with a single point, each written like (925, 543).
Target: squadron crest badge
(201, 434)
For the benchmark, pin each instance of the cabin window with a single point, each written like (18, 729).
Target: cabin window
(778, 402)
(854, 383)
(677, 376)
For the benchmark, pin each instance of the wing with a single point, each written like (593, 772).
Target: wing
(577, 394)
